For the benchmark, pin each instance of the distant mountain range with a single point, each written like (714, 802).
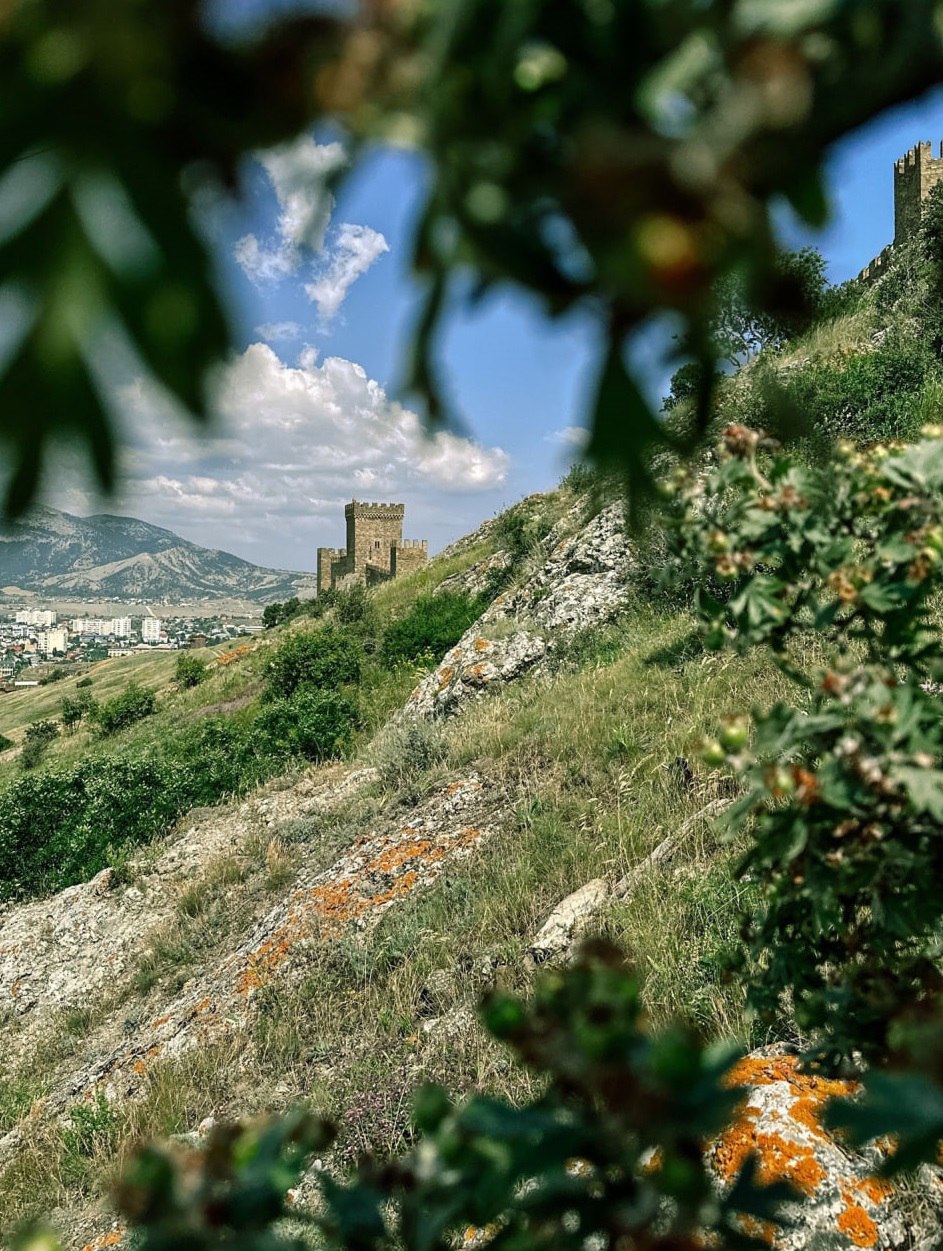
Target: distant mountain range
(103, 557)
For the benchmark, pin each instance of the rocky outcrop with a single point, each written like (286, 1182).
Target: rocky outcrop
(64, 951)
(578, 585)
(478, 578)
(844, 1204)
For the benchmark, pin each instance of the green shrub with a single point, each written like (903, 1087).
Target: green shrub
(6, 743)
(36, 743)
(64, 825)
(55, 675)
(432, 625)
(83, 682)
(406, 749)
(518, 532)
(190, 670)
(219, 757)
(321, 658)
(133, 704)
(316, 724)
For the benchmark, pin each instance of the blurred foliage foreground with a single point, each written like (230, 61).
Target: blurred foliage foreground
(622, 156)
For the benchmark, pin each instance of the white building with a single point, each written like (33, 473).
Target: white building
(91, 625)
(150, 629)
(42, 617)
(50, 641)
(121, 627)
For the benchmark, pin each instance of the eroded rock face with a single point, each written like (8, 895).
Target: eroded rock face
(477, 578)
(580, 585)
(845, 1205)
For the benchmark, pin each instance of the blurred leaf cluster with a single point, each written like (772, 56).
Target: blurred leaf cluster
(623, 156)
(837, 569)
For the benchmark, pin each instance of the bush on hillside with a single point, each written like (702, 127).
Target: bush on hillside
(132, 705)
(220, 756)
(190, 670)
(6, 743)
(74, 709)
(518, 532)
(323, 658)
(278, 613)
(64, 825)
(36, 743)
(406, 749)
(432, 625)
(315, 724)
(83, 682)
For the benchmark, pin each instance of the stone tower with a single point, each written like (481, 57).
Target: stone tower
(375, 548)
(915, 176)
(372, 532)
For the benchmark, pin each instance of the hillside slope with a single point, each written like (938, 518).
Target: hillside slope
(327, 938)
(335, 930)
(57, 554)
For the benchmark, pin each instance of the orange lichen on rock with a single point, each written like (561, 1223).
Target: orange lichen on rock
(111, 1239)
(446, 675)
(875, 1188)
(857, 1225)
(482, 645)
(228, 658)
(364, 884)
(778, 1158)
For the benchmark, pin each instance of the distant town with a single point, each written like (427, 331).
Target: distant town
(34, 637)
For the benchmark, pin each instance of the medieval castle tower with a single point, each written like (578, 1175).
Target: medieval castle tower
(375, 551)
(915, 176)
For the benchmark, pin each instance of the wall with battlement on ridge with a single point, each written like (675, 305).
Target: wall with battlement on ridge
(408, 556)
(327, 557)
(915, 175)
(877, 268)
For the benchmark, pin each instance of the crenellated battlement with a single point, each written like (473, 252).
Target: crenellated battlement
(375, 551)
(373, 511)
(877, 267)
(916, 173)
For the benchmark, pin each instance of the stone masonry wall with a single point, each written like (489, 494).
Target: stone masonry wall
(915, 176)
(408, 556)
(372, 529)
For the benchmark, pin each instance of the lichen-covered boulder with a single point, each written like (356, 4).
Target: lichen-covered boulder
(474, 665)
(580, 585)
(845, 1204)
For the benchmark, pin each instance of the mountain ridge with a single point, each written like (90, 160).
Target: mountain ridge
(56, 553)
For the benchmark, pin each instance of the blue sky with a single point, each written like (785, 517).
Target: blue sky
(308, 415)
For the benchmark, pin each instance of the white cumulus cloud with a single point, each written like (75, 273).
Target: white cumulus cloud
(302, 236)
(298, 172)
(293, 443)
(351, 254)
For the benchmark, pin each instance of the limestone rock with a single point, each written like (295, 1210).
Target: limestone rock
(476, 579)
(473, 665)
(845, 1205)
(580, 585)
(557, 933)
